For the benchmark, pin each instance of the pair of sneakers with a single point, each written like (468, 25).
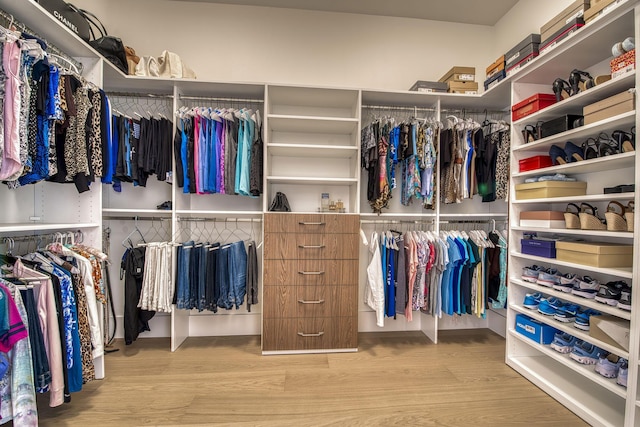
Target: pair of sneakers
(560, 310)
(610, 367)
(615, 294)
(542, 276)
(585, 287)
(586, 353)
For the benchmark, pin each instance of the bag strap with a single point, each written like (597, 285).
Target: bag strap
(92, 20)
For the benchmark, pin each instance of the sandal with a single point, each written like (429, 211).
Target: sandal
(530, 133)
(589, 218)
(607, 146)
(625, 140)
(628, 215)
(590, 149)
(615, 217)
(571, 219)
(562, 89)
(580, 81)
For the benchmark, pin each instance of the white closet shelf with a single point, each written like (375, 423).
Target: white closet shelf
(34, 227)
(589, 45)
(624, 273)
(570, 329)
(312, 124)
(574, 104)
(391, 215)
(314, 97)
(578, 232)
(586, 198)
(304, 180)
(599, 164)
(574, 392)
(587, 371)
(114, 213)
(186, 213)
(488, 215)
(305, 150)
(621, 121)
(582, 302)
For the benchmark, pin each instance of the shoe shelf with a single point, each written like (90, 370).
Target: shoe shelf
(587, 371)
(574, 104)
(600, 164)
(582, 302)
(568, 328)
(586, 198)
(573, 391)
(623, 273)
(578, 232)
(622, 121)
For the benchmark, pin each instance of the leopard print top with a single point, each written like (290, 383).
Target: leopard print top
(75, 147)
(502, 167)
(95, 137)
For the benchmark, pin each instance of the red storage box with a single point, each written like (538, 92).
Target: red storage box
(532, 104)
(535, 162)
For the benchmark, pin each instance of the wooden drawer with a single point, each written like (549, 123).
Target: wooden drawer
(310, 246)
(311, 223)
(310, 272)
(309, 301)
(320, 333)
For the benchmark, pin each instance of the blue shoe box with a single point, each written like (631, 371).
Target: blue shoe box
(539, 247)
(534, 330)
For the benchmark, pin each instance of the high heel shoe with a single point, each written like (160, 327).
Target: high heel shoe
(607, 146)
(558, 156)
(580, 81)
(589, 219)
(561, 89)
(625, 141)
(573, 152)
(590, 149)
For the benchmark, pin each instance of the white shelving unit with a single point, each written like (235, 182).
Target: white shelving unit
(597, 400)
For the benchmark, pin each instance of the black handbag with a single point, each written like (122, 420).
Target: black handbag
(280, 203)
(69, 16)
(108, 46)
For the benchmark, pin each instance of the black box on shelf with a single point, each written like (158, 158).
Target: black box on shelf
(427, 86)
(558, 125)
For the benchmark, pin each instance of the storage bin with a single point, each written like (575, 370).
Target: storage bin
(495, 67)
(494, 79)
(561, 34)
(469, 88)
(545, 189)
(621, 103)
(427, 86)
(595, 254)
(574, 10)
(534, 330)
(623, 64)
(531, 105)
(542, 219)
(539, 247)
(533, 163)
(527, 47)
(558, 125)
(611, 330)
(459, 74)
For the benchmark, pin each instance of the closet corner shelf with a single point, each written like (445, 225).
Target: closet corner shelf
(578, 232)
(305, 180)
(573, 391)
(36, 227)
(599, 164)
(587, 198)
(312, 124)
(584, 370)
(116, 213)
(568, 328)
(583, 302)
(574, 104)
(305, 150)
(621, 121)
(625, 273)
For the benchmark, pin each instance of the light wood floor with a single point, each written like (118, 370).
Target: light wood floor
(396, 379)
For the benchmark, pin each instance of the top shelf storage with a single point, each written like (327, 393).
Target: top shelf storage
(313, 102)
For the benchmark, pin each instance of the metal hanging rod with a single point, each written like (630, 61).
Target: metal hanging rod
(474, 112)
(137, 218)
(213, 99)
(35, 237)
(140, 95)
(398, 108)
(50, 47)
(196, 219)
(475, 221)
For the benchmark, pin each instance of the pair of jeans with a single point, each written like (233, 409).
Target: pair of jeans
(183, 276)
(232, 275)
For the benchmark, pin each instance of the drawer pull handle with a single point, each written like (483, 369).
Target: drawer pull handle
(311, 223)
(319, 334)
(320, 301)
(311, 273)
(311, 246)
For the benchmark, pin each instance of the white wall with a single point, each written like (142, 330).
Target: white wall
(246, 43)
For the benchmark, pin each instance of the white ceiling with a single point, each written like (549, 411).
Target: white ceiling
(485, 12)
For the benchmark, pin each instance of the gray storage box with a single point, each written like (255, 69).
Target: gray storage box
(523, 49)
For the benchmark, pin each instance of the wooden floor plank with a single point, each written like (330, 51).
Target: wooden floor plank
(395, 379)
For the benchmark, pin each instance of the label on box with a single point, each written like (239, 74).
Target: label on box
(513, 57)
(560, 39)
(466, 77)
(493, 83)
(611, 6)
(623, 71)
(426, 90)
(578, 14)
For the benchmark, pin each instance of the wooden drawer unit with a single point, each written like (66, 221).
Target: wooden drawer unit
(310, 272)
(311, 223)
(310, 277)
(309, 301)
(310, 246)
(300, 334)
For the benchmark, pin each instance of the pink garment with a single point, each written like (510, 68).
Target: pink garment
(17, 329)
(223, 142)
(47, 314)
(11, 164)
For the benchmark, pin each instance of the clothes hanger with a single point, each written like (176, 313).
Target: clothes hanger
(127, 243)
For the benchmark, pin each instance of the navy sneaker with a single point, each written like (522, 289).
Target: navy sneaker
(567, 313)
(587, 353)
(582, 318)
(563, 342)
(611, 292)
